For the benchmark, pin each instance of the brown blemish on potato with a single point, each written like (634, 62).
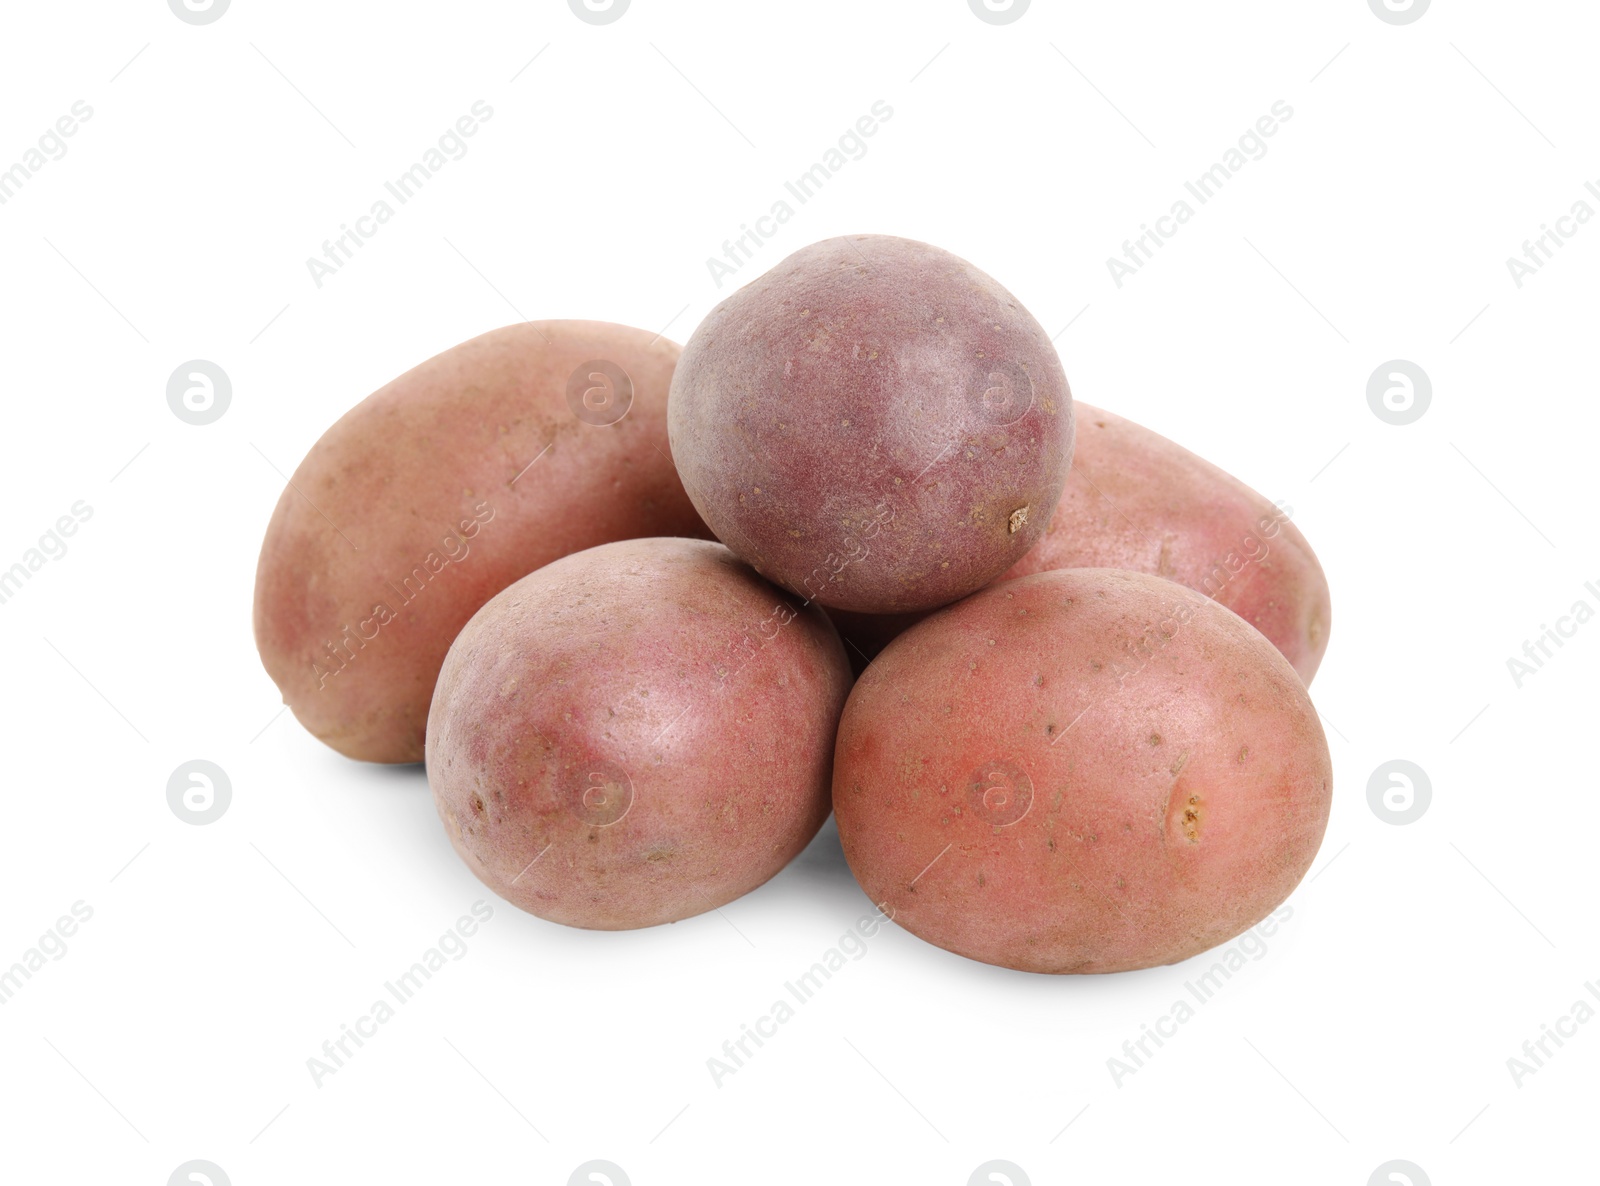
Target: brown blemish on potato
(1243, 754)
(1191, 819)
(1155, 739)
(1184, 812)
(1018, 518)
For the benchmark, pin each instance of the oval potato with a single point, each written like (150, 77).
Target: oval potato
(1087, 770)
(873, 424)
(439, 490)
(636, 734)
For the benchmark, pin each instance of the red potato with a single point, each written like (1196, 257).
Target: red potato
(435, 493)
(636, 734)
(1141, 502)
(874, 424)
(1137, 501)
(1087, 770)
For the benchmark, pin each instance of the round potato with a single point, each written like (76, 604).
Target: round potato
(636, 734)
(438, 491)
(874, 424)
(1080, 771)
(1137, 501)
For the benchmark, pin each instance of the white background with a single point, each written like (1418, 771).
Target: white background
(1418, 959)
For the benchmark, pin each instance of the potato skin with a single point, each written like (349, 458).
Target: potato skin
(1086, 770)
(874, 424)
(420, 504)
(1137, 501)
(652, 717)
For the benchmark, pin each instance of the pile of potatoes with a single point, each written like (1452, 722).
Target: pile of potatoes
(649, 614)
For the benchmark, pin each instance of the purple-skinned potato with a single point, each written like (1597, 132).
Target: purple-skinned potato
(874, 424)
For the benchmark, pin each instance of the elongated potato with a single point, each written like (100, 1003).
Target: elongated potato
(1137, 501)
(636, 734)
(874, 424)
(1087, 770)
(438, 491)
